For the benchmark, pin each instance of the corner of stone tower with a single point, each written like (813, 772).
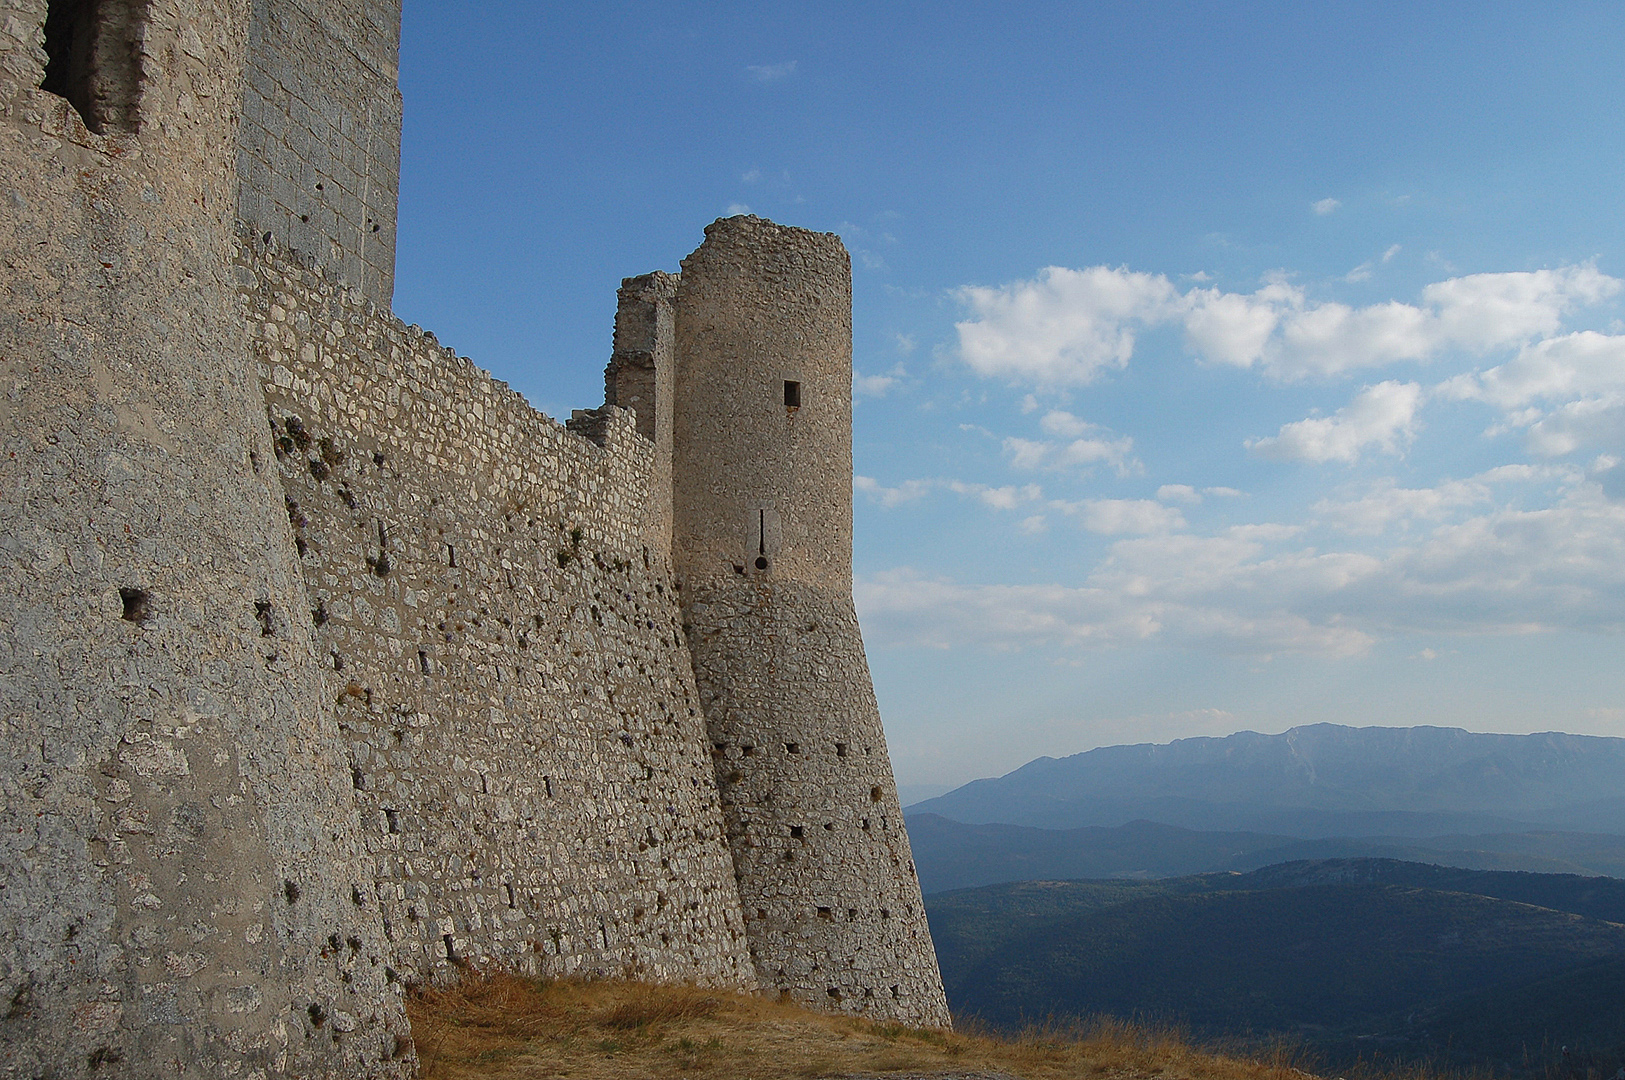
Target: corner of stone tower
(641, 376)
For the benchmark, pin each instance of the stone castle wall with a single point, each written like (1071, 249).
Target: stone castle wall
(503, 648)
(641, 378)
(326, 663)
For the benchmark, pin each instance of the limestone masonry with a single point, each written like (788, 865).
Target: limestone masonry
(327, 664)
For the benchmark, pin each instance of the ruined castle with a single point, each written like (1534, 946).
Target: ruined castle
(327, 664)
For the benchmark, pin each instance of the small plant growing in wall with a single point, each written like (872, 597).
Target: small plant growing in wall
(568, 555)
(297, 434)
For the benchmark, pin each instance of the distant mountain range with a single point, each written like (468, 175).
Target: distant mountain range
(1352, 960)
(953, 855)
(1318, 781)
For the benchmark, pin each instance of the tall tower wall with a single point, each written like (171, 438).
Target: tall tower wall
(320, 144)
(762, 543)
(179, 855)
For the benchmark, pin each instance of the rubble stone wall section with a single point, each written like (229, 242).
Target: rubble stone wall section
(832, 902)
(504, 650)
(640, 378)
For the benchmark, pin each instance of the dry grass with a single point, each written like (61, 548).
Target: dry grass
(500, 1027)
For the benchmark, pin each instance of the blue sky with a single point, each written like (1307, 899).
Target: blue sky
(1220, 365)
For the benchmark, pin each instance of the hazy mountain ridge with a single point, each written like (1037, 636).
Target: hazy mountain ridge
(1320, 780)
(953, 855)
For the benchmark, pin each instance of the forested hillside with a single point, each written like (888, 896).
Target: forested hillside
(1353, 958)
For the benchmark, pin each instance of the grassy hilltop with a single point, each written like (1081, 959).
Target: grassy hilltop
(505, 1028)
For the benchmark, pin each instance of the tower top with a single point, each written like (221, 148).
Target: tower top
(762, 454)
(319, 149)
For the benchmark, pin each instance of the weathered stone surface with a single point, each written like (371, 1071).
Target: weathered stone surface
(178, 842)
(503, 650)
(320, 144)
(325, 661)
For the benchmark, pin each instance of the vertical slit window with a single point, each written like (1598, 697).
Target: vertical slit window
(792, 394)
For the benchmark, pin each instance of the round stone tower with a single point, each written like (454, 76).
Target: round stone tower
(184, 886)
(762, 546)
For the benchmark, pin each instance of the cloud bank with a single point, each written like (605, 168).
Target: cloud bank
(1520, 548)
(1066, 327)
(1259, 589)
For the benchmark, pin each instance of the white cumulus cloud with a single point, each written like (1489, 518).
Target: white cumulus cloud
(1487, 311)
(1383, 416)
(1576, 425)
(878, 385)
(1478, 313)
(1063, 327)
(873, 385)
(1073, 454)
(1257, 590)
(1556, 369)
(1325, 206)
(1182, 493)
(1064, 425)
(1232, 328)
(1387, 504)
(1076, 444)
(904, 607)
(1566, 392)
(889, 497)
(1006, 497)
(1116, 517)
